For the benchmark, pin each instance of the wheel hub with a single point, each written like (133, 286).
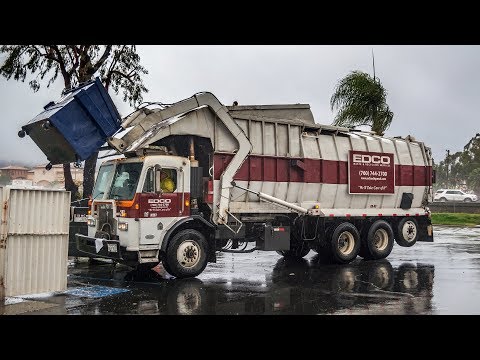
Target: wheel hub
(409, 231)
(380, 239)
(188, 253)
(346, 243)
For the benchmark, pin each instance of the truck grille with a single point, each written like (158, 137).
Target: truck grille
(106, 220)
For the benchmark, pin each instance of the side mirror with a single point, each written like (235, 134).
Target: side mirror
(157, 170)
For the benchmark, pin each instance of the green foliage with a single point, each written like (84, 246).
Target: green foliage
(5, 178)
(462, 167)
(460, 219)
(118, 66)
(361, 100)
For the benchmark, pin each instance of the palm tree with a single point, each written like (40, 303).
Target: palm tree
(361, 100)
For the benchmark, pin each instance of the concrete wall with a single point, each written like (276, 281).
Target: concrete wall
(455, 207)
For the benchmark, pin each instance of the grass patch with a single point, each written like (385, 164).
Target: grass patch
(460, 219)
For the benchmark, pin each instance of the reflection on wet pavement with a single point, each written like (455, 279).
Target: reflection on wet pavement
(292, 287)
(440, 277)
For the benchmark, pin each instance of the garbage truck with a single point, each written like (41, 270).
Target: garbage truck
(242, 178)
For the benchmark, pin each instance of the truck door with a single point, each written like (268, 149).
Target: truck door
(159, 210)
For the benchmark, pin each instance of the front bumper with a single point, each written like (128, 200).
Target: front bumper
(109, 249)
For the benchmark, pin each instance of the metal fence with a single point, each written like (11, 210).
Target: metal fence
(34, 241)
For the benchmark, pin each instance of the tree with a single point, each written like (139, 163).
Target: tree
(463, 167)
(117, 65)
(5, 178)
(361, 100)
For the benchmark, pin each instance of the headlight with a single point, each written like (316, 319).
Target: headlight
(123, 226)
(91, 222)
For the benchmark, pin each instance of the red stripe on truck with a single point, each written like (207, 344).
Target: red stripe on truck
(282, 169)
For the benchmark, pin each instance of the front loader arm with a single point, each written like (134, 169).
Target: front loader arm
(144, 120)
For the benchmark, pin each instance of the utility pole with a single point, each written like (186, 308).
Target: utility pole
(373, 61)
(447, 162)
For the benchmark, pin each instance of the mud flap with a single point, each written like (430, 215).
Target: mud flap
(427, 233)
(429, 236)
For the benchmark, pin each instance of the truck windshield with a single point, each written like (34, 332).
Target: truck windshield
(104, 179)
(125, 181)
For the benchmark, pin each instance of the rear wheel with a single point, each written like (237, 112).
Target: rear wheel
(378, 243)
(406, 233)
(186, 254)
(344, 243)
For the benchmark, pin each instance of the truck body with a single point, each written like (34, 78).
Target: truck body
(254, 177)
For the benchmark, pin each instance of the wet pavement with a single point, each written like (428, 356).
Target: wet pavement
(429, 278)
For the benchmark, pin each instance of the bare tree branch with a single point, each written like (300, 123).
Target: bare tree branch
(66, 77)
(77, 63)
(104, 58)
(123, 75)
(108, 78)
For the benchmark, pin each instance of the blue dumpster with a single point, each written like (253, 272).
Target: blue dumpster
(76, 126)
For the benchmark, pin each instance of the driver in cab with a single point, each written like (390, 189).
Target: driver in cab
(166, 183)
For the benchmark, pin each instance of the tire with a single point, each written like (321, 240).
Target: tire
(443, 199)
(344, 243)
(467, 200)
(186, 254)
(407, 232)
(295, 252)
(378, 243)
(166, 267)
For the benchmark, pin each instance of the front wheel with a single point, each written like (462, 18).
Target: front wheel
(467, 200)
(443, 199)
(186, 254)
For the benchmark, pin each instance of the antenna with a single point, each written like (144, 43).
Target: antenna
(373, 60)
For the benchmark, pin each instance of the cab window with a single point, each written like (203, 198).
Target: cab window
(125, 181)
(168, 181)
(149, 186)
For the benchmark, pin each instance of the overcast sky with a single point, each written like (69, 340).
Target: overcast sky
(434, 91)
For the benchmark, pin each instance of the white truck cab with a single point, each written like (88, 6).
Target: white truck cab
(129, 211)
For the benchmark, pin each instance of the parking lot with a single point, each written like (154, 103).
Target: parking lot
(428, 278)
